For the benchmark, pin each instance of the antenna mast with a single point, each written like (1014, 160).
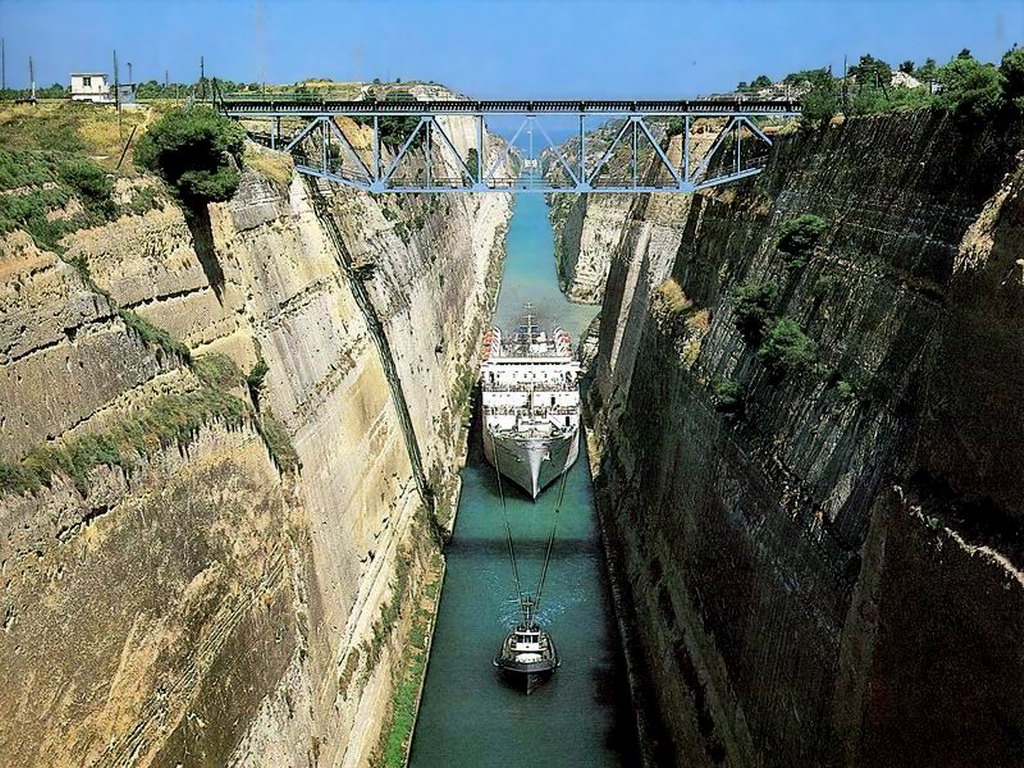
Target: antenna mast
(117, 99)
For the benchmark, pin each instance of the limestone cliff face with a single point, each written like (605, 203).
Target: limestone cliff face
(199, 601)
(589, 227)
(821, 562)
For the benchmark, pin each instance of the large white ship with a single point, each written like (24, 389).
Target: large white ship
(531, 404)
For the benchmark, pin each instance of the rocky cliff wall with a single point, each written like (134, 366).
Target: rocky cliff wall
(589, 227)
(818, 531)
(586, 230)
(220, 571)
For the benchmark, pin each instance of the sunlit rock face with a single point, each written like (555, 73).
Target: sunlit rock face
(205, 602)
(819, 545)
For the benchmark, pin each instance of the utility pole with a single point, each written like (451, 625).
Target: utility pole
(130, 81)
(117, 98)
(846, 103)
(3, 65)
(32, 79)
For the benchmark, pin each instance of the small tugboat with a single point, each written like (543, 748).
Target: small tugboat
(528, 656)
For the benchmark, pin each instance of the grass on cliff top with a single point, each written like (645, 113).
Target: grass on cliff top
(57, 162)
(78, 128)
(276, 167)
(172, 420)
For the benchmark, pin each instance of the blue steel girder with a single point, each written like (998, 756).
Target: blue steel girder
(438, 166)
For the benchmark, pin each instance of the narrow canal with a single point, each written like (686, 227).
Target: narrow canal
(469, 717)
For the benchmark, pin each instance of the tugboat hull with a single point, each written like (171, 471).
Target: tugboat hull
(526, 671)
(526, 676)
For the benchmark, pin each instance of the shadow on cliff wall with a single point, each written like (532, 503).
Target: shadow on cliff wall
(198, 219)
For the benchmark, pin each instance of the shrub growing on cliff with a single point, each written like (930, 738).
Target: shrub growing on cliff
(254, 380)
(196, 151)
(972, 91)
(799, 236)
(92, 185)
(754, 307)
(787, 349)
(670, 296)
(729, 397)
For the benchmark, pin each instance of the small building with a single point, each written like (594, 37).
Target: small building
(90, 86)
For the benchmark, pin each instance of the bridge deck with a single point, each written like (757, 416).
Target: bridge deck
(704, 107)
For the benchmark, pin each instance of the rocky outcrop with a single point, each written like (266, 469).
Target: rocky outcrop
(816, 532)
(185, 589)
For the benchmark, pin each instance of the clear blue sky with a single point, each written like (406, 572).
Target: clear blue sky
(490, 48)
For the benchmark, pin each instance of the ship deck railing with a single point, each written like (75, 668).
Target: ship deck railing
(540, 411)
(540, 386)
(553, 431)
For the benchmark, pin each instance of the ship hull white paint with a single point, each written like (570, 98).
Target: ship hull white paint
(532, 463)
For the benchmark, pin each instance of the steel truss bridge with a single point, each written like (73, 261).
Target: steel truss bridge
(411, 146)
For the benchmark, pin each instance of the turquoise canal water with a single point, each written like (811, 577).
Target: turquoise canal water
(469, 716)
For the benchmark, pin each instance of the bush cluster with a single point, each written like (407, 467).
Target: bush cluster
(196, 151)
(782, 344)
(799, 236)
(729, 397)
(787, 349)
(754, 308)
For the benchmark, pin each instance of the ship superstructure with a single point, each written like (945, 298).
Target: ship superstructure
(530, 403)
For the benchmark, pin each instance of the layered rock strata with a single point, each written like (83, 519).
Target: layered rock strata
(208, 596)
(816, 532)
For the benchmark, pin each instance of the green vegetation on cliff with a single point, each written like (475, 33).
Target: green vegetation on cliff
(971, 90)
(173, 419)
(754, 309)
(196, 151)
(730, 397)
(49, 195)
(787, 349)
(798, 236)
